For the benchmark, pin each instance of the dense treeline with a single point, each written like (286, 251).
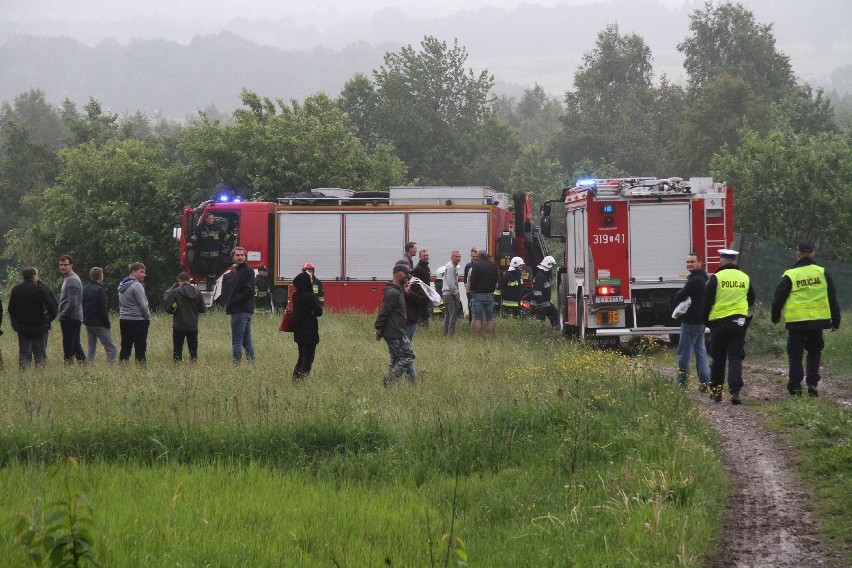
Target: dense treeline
(105, 188)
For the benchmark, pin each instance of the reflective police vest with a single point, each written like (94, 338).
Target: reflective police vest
(808, 298)
(731, 294)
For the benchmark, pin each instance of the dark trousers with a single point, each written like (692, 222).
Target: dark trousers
(134, 336)
(307, 351)
(178, 335)
(799, 341)
(31, 347)
(71, 347)
(727, 345)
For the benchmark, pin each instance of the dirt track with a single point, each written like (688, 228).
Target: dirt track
(768, 519)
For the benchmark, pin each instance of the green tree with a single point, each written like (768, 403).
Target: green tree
(359, 101)
(535, 116)
(110, 206)
(538, 174)
(607, 116)
(274, 147)
(792, 186)
(93, 126)
(726, 40)
(426, 107)
(31, 131)
(713, 121)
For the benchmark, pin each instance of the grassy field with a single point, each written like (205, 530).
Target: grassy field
(519, 450)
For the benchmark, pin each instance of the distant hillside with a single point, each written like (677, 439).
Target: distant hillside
(520, 47)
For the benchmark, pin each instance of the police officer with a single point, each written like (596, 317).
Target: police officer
(726, 304)
(808, 299)
(510, 288)
(209, 238)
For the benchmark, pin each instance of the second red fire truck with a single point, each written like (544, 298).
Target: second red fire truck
(626, 241)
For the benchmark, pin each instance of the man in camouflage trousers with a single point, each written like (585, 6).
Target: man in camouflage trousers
(390, 325)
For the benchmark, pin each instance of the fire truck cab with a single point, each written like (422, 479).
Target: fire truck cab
(626, 241)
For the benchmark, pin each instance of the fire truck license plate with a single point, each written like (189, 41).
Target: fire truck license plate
(608, 299)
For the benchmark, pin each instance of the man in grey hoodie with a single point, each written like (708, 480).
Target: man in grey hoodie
(133, 314)
(70, 311)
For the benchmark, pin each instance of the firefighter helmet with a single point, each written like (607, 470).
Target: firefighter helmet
(547, 263)
(308, 266)
(516, 263)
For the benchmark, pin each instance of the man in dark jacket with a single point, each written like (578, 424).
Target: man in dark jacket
(390, 325)
(692, 325)
(807, 296)
(184, 302)
(48, 320)
(424, 273)
(725, 308)
(27, 305)
(240, 307)
(482, 283)
(96, 316)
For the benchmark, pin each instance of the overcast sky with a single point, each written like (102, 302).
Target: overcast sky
(210, 12)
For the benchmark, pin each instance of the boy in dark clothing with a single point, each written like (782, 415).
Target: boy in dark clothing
(184, 302)
(96, 316)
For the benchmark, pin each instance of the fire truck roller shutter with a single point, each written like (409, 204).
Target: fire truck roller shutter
(659, 241)
(310, 236)
(442, 232)
(374, 242)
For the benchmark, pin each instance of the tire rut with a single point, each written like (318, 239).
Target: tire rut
(768, 520)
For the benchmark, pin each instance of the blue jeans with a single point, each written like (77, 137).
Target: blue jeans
(483, 306)
(692, 339)
(241, 337)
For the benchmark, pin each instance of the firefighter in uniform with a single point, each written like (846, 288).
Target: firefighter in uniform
(726, 304)
(315, 282)
(541, 291)
(262, 290)
(808, 299)
(510, 288)
(208, 239)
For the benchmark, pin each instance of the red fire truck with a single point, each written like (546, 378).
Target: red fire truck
(354, 238)
(626, 241)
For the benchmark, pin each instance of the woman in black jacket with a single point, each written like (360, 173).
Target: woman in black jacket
(306, 309)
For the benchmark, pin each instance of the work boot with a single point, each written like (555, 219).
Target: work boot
(795, 391)
(716, 393)
(735, 398)
(812, 391)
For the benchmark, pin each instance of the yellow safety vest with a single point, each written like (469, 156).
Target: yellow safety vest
(731, 294)
(808, 298)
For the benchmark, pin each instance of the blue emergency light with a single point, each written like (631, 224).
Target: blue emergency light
(608, 209)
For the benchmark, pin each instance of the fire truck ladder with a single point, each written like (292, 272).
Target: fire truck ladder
(715, 229)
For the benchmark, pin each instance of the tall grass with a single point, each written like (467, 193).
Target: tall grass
(524, 449)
